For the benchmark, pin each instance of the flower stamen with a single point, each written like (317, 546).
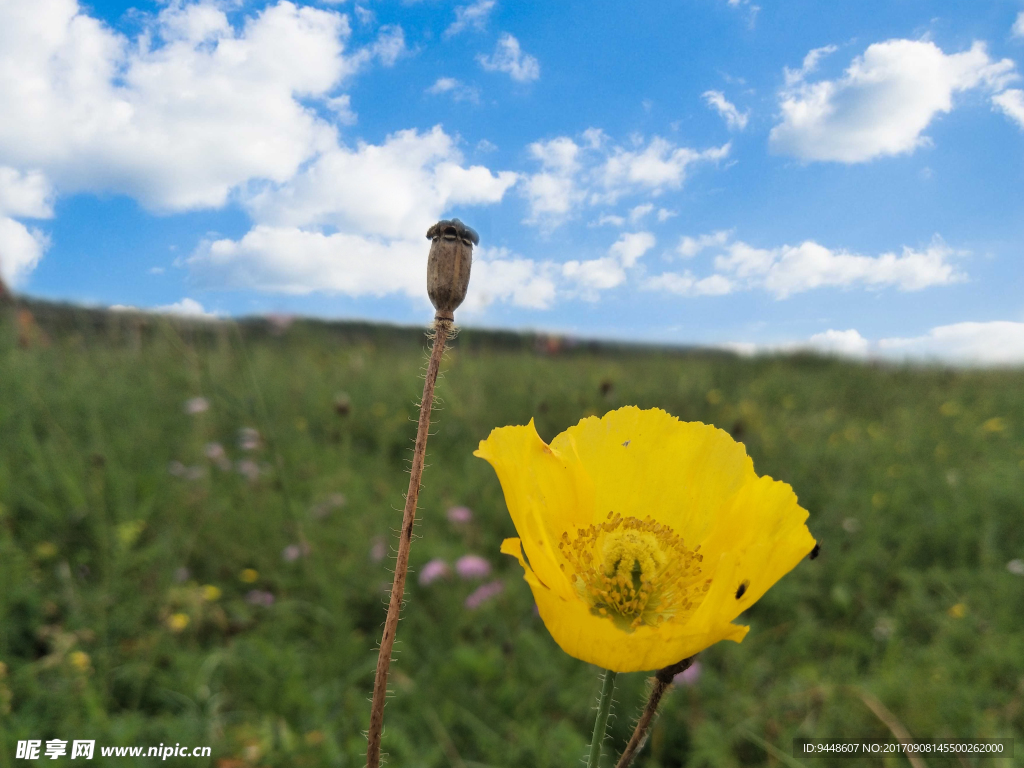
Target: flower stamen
(635, 572)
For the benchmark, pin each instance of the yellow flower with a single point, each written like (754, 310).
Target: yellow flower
(45, 550)
(996, 424)
(950, 408)
(211, 593)
(79, 660)
(249, 575)
(957, 611)
(645, 536)
(178, 621)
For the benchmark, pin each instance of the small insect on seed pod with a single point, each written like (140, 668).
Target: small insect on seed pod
(451, 256)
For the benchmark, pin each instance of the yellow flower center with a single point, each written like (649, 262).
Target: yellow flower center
(634, 571)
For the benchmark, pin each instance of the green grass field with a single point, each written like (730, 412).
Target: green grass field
(144, 601)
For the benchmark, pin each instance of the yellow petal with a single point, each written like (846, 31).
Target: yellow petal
(514, 548)
(650, 463)
(545, 491)
(763, 526)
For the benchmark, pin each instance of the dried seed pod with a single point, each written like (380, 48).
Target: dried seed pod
(451, 256)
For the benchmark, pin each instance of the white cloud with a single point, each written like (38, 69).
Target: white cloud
(810, 64)
(993, 343)
(639, 212)
(686, 284)
(390, 44)
(752, 10)
(178, 117)
(786, 270)
(284, 259)
(353, 221)
(341, 106)
(473, 15)
(658, 166)
(186, 308)
(664, 214)
(553, 192)
(1011, 102)
(848, 343)
(508, 57)
(443, 85)
(595, 171)
(595, 275)
(631, 246)
(1018, 26)
(734, 119)
(392, 190)
(26, 195)
(883, 102)
(498, 275)
(690, 246)
(21, 249)
(990, 343)
(608, 271)
(364, 15)
(458, 90)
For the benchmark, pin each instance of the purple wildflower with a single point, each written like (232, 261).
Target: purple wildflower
(460, 515)
(260, 597)
(196, 405)
(379, 549)
(248, 469)
(215, 452)
(434, 570)
(248, 439)
(483, 593)
(472, 567)
(293, 552)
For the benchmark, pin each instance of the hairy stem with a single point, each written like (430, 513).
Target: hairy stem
(662, 680)
(442, 328)
(604, 708)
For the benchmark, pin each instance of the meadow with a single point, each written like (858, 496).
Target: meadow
(196, 528)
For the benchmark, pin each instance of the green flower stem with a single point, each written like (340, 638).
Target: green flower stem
(604, 708)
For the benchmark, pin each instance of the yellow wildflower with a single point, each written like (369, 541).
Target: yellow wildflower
(645, 536)
(79, 660)
(178, 621)
(211, 593)
(249, 575)
(950, 408)
(995, 424)
(957, 611)
(45, 550)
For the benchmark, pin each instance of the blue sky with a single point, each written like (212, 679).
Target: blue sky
(848, 177)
